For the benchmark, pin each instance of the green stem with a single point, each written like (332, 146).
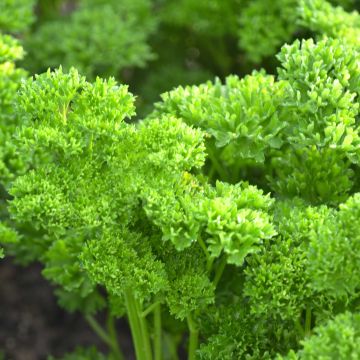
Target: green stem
(140, 344)
(157, 332)
(299, 328)
(193, 338)
(114, 338)
(308, 321)
(209, 264)
(103, 335)
(203, 246)
(150, 309)
(219, 270)
(209, 258)
(144, 331)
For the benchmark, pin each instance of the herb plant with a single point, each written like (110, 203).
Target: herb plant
(224, 223)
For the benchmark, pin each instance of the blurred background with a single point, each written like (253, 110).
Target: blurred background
(152, 45)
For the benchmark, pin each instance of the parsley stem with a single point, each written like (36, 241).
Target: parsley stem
(157, 332)
(98, 329)
(209, 258)
(219, 270)
(299, 328)
(151, 308)
(114, 338)
(193, 338)
(103, 335)
(144, 331)
(156, 309)
(138, 327)
(203, 246)
(209, 264)
(308, 321)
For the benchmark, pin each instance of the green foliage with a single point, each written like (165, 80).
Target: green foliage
(11, 163)
(115, 38)
(83, 354)
(277, 280)
(43, 203)
(10, 49)
(224, 223)
(324, 78)
(315, 174)
(236, 221)
(164, 78)
(102, 193)
(238, 335)
(7, 236)
(16, 15)
(99, 38)
(190, 293)
(265, 25)
(337, 339)
(229, 219)
(334, 251)
(279, 129)
(324, 19)
(240, 118)
(110, 260)
(10, 78)
(217, 17)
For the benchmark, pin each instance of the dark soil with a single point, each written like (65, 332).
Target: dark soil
(32, 326)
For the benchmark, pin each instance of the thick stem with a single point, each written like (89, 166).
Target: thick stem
(144, 331)
(140, 338)
(193, 338)
(209, 264)
(157, 332)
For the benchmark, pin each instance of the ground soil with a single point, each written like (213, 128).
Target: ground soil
(32, 326)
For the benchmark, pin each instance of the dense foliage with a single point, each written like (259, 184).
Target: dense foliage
(223, 217)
